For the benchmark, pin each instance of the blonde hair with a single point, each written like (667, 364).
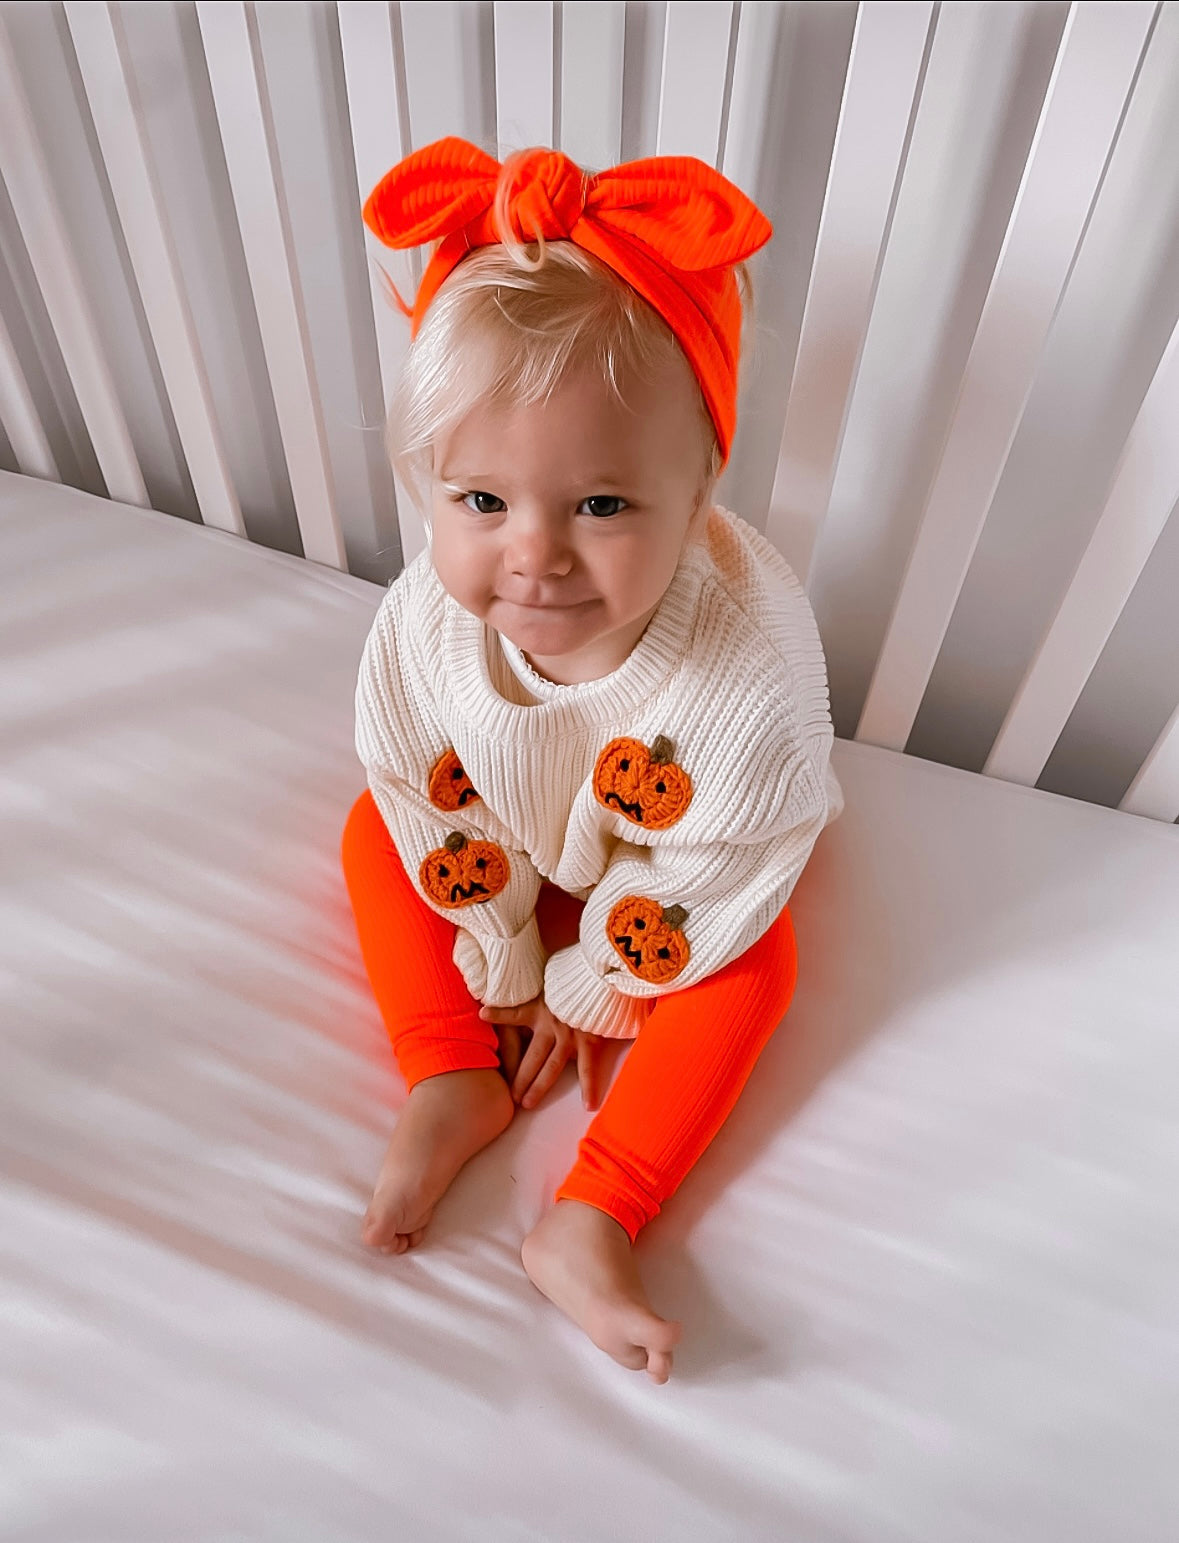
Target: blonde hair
(507, 325)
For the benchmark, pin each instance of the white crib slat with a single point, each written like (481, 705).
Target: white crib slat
(47, 242)
(99, 43)
(242, 104)
(19, 415)
(1145, 488)
(442, 76)
(749, 100)
(887, 49)
(524, 74)
(695, 62)
(1155, 790)
(378, 142)
(592, 41)
(1095, 66)
(377, 114)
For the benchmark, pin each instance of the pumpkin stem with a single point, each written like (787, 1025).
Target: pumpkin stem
(455, 842)
(662, 751)
(674, 917)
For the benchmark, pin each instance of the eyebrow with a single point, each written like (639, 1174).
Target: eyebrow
(610, 480)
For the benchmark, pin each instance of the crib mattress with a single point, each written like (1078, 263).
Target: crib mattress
(928, 1272)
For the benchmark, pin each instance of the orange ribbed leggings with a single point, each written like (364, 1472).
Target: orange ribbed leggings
(675, 1086)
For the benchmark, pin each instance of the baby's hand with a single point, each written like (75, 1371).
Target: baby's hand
(550, 1045)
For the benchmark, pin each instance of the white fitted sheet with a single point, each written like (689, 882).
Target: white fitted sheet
(928, 1272)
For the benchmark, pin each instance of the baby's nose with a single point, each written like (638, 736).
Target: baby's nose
(537, 547)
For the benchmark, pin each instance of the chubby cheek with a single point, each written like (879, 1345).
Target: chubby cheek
(640, 580)
(463, 573)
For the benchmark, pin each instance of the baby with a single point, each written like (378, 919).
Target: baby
(593, 714)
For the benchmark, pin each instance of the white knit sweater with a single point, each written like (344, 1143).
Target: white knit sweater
(727, 686)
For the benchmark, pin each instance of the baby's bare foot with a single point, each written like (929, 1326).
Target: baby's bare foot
(583, 1262)
(446, 1120)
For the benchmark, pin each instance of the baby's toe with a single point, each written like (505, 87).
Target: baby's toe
(633, 1357)
(655, 1338)
(659, 1365)
(380, 1230)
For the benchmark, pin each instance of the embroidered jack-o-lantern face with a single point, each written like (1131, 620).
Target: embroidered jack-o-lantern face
(462, 872)
(450, 787)
(648, 938)
(644, 785)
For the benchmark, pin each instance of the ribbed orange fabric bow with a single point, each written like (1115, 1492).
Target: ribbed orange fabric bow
(670, 226)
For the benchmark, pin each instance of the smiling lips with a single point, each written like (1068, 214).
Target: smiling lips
(529, 605)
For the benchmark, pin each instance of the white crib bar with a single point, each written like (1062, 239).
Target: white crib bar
(237, 76)
(441, 72)
(100, 46)
(379, 141)
(379, 116)
(593, 36)
(524, 74)
(19, 415)
(866, 163)
(1094, 70)
(1155, 790)
(47, 243)
(696, 42)
(749, 97)
(1144, 492)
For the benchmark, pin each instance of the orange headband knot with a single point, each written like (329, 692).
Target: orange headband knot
(546, 195)
(670, 226)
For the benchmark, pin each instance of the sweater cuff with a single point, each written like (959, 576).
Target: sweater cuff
(577, 996)
(501, 972)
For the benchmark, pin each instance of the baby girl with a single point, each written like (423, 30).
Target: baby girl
(593, 714)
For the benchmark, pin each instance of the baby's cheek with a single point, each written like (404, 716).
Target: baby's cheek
(462, 580)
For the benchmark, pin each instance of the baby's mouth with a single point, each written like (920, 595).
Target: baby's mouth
(546, 605)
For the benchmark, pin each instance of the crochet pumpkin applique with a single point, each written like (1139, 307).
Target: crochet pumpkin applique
(462, 872)
(450, 788)
(643, 784)
(649, 939)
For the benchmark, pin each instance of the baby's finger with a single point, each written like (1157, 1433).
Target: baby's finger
(546, 1076)
(609, 1053)
(589, 1061)
(535, 1057)
(520, 1016)
(511, 1042)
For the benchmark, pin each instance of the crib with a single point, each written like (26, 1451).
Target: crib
(929, 1271)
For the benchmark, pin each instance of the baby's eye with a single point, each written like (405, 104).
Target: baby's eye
(485, 503)
(603, 505)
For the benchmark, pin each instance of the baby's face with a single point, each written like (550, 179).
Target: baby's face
(561, 524)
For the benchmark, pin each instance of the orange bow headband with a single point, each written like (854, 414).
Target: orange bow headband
(670, 226)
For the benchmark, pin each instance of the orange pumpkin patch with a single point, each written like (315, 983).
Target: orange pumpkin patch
(648, 939)
(644, 785)
(450, 787)
(462, 872)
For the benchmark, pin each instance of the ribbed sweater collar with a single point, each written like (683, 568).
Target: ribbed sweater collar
(566, 709)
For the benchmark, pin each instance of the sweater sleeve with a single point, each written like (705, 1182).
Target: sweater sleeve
(665, 916)
(462, 861)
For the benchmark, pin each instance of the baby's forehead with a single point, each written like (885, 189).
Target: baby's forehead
(586, 403)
